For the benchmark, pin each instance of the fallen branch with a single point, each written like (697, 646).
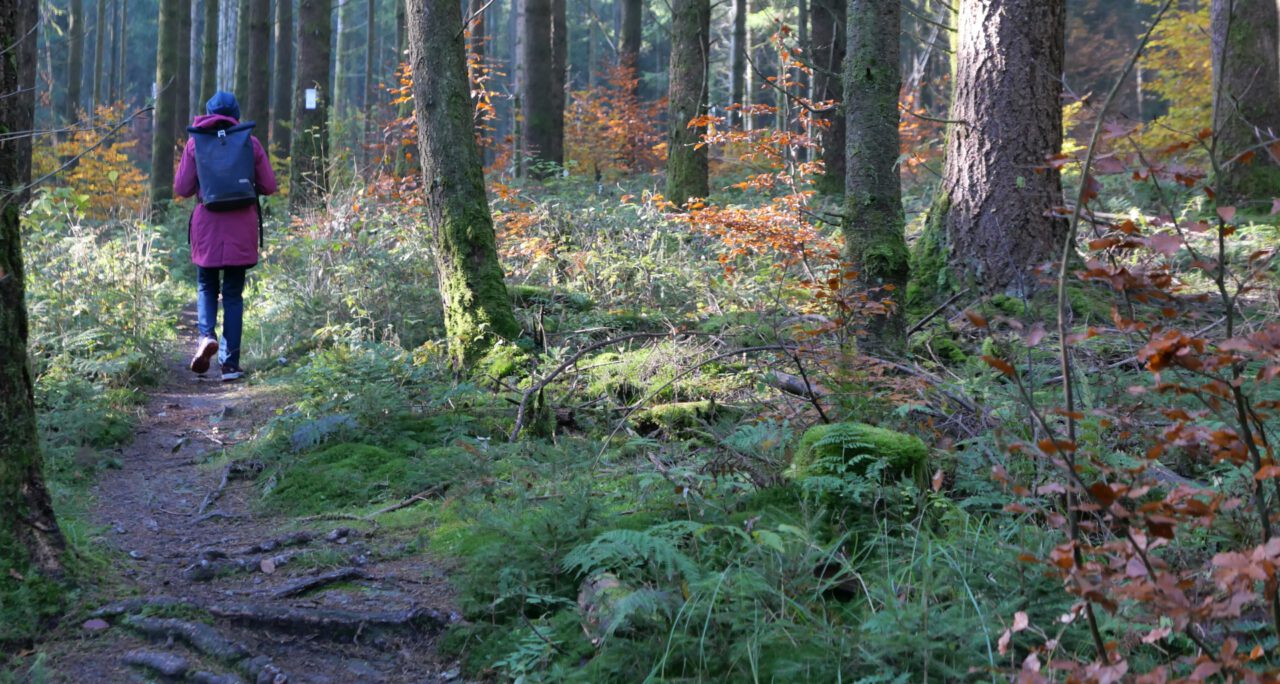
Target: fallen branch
(306, 584)
(216, 493)
(933, 314)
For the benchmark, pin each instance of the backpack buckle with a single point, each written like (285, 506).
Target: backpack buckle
(222, 136)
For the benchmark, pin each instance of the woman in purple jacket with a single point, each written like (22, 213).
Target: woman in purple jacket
(224, 244)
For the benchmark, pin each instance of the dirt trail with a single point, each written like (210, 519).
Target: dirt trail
(210, 586)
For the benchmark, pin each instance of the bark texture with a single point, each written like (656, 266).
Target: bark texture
(256, 105)
(29, 534)
(209, 54)
(243, 35)
(559, 75)
(182, 77)
(632, 34)
(738, 59)
(122, 39)
(477, 310)
(1246, 103)
(873, 220)
(75, 61)
(538, 85)
(997, 191)
(687, 99)
(100, 54)
(344, 97)
(162, 136)
(309, 154)
(282, 84)
(827, 35)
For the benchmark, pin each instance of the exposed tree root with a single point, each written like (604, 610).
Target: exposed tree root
(167, 664)
(306, 584)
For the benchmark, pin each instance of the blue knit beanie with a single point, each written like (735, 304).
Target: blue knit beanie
(223, 103)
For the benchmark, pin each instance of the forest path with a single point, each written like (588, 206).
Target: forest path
(208, 586)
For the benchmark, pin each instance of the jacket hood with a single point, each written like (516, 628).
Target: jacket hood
(214, 121)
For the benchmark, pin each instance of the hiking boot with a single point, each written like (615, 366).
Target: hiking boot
(200, 362)
(230, 373)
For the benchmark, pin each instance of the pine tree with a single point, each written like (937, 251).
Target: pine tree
(309, 144)
(873, 220)
(209, 68)
(1246, 104)
(29, 534)
(256, 105)
(162, 130)
(827, 35)
(282, 99)
(687, 100)
(477, 311)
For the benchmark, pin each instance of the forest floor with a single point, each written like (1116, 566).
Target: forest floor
(205, 586)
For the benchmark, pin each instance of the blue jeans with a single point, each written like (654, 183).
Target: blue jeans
(232, 309)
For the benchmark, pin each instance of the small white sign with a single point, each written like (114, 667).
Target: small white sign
(155, 91)
(311, 96)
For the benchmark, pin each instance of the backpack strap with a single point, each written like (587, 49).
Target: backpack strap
(257, 204)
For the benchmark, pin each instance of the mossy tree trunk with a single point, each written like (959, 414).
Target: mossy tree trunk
(477, 310)
(873, 219)
(1246, 89)
(75, 60)
(256, 105)
(687, 100)
(282, 84)
(997, 189)
(29, 535)
(309, 152)
(827, 35)
(738, 59)
(209, 53)
(162, 136)
(243, 35)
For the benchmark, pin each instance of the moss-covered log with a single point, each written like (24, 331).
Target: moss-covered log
(309, 149)
(687, 100)
(29, 535)
(873, 218)
(477, 310)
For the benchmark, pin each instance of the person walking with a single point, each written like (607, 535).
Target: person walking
(226, 168)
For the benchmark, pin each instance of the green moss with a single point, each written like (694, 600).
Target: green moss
(931, 281)
(501, 361)
(1009, 306)
(836, 448)
(533, 295)
(939, 344)
(353, 474)
(113, 429)
(676, 417)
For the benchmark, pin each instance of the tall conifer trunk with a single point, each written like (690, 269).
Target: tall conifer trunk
(873, 220)
(827, 35)
(256, 105)
(162, 129)
(75, 60)
(477, 310)
(309, 152)
(559, 76)
(282, 83)
(994, 218)
(687, 100)
(243, 35)
(738, 58)
(29, 534)
(1246, 89)
(100, 54)
(209, 70)
(182, 76)
(539, 84)
(122, 28)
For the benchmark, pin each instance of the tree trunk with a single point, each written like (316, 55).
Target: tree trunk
(75, 63)
(828, 37)
(559, 75)
(195, 40)
(309, 154)
(519, 111)
(256, 105)
(687, 99)
(1246, 103)
(282, 100)
(244, 34)
(477, 310)
(209, 72)
(538, 87)
(29, 535)
(873, 220)
(738, 59)
(162, 137)
(475, 46)
(343, 93)
(632, 33)
(997, 193)
(367, 96)
(100, 55)
(112, 93)
(182, 77)
(122, 39)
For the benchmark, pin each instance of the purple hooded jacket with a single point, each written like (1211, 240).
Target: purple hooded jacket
(223, 238)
